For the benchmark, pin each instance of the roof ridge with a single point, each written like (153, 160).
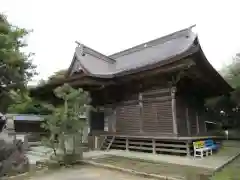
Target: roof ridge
(90, 51)
(149, 43)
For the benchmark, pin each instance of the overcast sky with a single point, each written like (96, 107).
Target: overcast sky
(109, 26)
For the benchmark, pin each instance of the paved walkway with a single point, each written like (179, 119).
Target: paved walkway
(88, 173)
(211, 162)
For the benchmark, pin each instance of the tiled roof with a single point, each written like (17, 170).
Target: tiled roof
(96, 64)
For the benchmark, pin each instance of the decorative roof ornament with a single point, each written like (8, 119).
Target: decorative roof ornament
(194, 29)
(81, 46)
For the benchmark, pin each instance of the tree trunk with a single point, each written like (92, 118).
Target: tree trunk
(62, 143)
(74, 144)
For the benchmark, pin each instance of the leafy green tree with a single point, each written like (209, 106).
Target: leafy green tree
(227, 108)
(65, 124)
(57, 75)
(41, 83)
(24, 104)
(16, 67)
(232, 72)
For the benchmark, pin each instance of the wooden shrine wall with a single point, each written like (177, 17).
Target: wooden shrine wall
(149, 112)
(157, 111)
(128, 117)
(182, 116)
(190, 117)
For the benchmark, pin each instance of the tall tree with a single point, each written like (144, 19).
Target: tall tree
(232, 72)
(16, 67)
(24, 104)
(58, 75)
(227, 107)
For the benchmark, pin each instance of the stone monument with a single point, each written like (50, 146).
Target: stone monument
(10, 128)
(12, 156)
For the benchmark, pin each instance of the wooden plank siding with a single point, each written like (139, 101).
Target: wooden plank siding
(190, 112)
(192, 119)
(128, 118)
(157, 117)
(150, 113)
(202, 119)
(182, 116)
(157, 111)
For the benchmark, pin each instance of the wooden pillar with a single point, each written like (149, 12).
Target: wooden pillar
(114, 123)
(197, 122)
(174, 114)
(188, 123)
(154, 146)
(127, 144)
(96, 142)
(140, 107)
(112, 120)
(205, 126)
(188, 149)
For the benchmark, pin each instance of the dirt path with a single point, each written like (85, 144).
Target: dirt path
(88, 173)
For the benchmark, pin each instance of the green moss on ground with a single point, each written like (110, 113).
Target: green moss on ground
(230, 172)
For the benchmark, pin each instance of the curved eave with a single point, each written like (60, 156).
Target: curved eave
(221, 83)
(76, 81)
(46, 88)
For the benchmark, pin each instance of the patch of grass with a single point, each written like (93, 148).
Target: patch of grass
(32, 172)
(227, 151)
(230, 172)
(45, 172)
(166, 169)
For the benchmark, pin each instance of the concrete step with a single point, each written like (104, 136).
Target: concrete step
(33, 158)
(34, 153)
(37, 143)
(41, 149)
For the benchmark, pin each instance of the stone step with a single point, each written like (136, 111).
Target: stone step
(33, 158)
(37, 143)
(41, 149)
(40, 154)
